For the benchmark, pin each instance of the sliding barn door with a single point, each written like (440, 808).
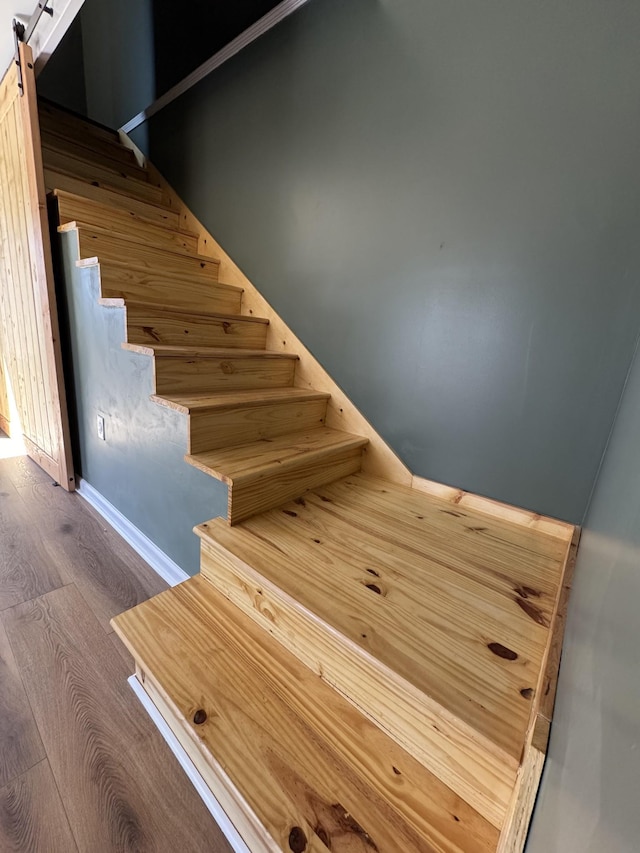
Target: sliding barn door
(32, 394)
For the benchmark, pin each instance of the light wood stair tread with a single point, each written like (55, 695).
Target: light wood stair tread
(81, 165)
(248, 460)
(168, 351)
(454, 602)
(180, 309)
(158, 213)
(115, 157)
(126, 269)
(188, 403)
(112, 148)
(69, 122)
(101, 176)
(96, 214)
(295, 753)
(113, 236)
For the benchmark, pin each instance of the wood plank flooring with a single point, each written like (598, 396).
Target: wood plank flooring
(82, 768)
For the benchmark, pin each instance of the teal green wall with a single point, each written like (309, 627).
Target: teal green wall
(140, 467)
(588, 802)
(441, 199)
(62, 78)
(117, 39)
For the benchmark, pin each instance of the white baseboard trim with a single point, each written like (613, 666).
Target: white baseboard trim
(149, 551)
(214, 807)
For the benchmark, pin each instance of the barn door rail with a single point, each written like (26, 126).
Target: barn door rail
(22, 34)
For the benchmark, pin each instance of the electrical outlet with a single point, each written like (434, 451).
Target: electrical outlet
(101, 428)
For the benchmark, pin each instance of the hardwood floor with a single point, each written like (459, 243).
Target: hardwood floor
(82, 768)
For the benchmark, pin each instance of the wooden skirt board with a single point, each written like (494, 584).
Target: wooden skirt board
(33, 397)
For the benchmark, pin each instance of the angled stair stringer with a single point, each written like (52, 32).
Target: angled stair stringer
(367, 660)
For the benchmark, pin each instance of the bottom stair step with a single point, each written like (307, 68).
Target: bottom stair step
(294, 765)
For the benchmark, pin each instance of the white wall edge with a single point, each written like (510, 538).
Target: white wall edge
(215, 809)
(148, 550)
(51, 29)
(277, 14)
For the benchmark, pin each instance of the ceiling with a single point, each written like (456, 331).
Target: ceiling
(48, 33)
(9, 9)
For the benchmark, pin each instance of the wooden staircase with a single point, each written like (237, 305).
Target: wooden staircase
(363, 663)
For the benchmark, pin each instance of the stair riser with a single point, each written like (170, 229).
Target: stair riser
(118, 282)
(217, 429)
(107, 248)
(109, 155)
(159, 215)
(444, 745)
(255, 494)
(102, 176)
(144, 326)
(202, 375)
(126, 223)
(68, 124)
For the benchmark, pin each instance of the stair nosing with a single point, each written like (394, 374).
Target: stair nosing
(120, 173)
(350, 442)
(100, 158)
(179, 309)
(109, 189)
(76, 225)
(160, 351)
(135, 217)
(302, 397)
(133, 266)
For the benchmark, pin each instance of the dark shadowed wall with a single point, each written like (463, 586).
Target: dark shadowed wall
(62, 78)
(441, 198)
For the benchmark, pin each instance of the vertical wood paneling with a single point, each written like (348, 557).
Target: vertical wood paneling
(31, 389)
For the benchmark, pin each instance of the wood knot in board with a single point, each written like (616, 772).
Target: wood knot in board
(200, 716)
(346, 823)
(527, 692)
(526, 592)
(297, 840)
(533, 612)
(374, 588)
(226, 367)
(300, 502)
(323, 835)
(226, 327)
(502, 651)
(290, 512)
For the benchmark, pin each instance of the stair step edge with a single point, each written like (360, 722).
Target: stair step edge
(168, 351)
(339, 443)
(136, 267)
(78, 225)
(120, 212)
(256, 402)
(179, 309)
